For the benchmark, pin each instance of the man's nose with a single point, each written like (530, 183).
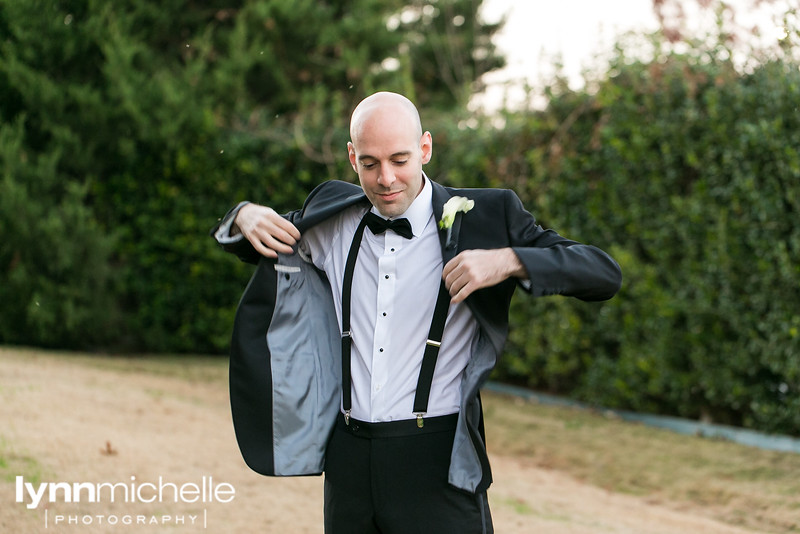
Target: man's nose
(386, 177)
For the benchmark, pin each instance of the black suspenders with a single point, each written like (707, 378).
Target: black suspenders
(432, 345)
(347, 336)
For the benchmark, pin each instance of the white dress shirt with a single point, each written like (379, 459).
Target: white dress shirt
(395, 285)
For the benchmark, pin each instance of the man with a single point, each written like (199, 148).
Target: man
(379, 385)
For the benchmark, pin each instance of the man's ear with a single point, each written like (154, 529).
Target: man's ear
(426, 146)
(351, 154)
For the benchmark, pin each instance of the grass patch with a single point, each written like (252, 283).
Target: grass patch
(519, 506)
(720, 478)
(13, 465)
(740, 485)
(192, 368)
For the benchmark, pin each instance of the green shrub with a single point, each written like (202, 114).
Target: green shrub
(130, 126)
(689, 172)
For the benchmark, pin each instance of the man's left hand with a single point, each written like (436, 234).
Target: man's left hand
(475, 269)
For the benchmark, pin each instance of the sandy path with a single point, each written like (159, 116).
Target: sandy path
(57, 416)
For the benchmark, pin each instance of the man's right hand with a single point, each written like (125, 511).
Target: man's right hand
(268, 232)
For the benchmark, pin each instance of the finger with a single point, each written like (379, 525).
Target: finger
(450, 280)
(277, 245)
(461, 294)
(455, 282)
(452, 270)
(254, 218)
(266, 245)
(277, 241)
(268, 236)
(264, 251)
(288, 228)
(449, 267)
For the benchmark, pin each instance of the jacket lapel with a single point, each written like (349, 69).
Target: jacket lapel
(336, 196)
(439, 198)
(450, 248)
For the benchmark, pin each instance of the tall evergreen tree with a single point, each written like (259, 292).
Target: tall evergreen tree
(128, 125)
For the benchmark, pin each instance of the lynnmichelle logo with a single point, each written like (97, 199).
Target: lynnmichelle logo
(132, 492)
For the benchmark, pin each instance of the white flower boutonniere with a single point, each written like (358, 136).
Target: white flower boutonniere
(453, 206)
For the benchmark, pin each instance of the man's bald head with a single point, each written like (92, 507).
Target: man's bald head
(400, 109)
(387, 150)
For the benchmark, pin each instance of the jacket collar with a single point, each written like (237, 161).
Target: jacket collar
(326, 201)
(439, 198)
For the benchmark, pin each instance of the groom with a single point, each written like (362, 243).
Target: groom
(368, 328)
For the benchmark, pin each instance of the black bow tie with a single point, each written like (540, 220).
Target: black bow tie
(378, 225)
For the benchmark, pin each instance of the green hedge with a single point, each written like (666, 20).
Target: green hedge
(127, 128)
(689, 174)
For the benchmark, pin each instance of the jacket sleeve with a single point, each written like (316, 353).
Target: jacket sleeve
(556, 265)
(325, 200)
(236, 243)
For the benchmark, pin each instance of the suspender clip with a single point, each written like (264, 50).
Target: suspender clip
(420, 421)
(433, 343)
(347, 417)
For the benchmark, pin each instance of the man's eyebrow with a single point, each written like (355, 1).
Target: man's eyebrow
(404, 154)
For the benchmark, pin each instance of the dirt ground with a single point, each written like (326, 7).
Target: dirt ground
(64, 421)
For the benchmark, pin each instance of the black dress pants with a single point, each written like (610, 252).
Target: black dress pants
(391, 478)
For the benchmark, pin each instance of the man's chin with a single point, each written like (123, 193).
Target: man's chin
(388, 212)
(389, 209)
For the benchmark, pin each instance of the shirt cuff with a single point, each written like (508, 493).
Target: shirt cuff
(223, 233)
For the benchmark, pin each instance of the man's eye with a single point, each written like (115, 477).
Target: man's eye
(401, 162)
(368, 165)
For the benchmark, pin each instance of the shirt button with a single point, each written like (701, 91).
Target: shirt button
(380, 349)
(387, 276)
(384, 314)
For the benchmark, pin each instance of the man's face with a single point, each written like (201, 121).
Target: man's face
(388, 157)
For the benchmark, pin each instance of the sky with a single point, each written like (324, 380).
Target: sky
(537, 31)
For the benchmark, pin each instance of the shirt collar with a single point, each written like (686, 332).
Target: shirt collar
(421, 209)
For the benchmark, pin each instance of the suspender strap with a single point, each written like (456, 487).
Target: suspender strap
(431, 352)
(432, 345)
(347, 337)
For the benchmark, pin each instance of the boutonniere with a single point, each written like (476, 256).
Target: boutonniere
(451, 208)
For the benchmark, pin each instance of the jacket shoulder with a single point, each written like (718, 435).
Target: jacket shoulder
(332, 191)
(324, 201)
(487, 197)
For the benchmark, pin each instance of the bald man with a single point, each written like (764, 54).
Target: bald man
(374, 326)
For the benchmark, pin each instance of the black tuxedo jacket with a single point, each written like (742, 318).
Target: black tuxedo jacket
(555, 266)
